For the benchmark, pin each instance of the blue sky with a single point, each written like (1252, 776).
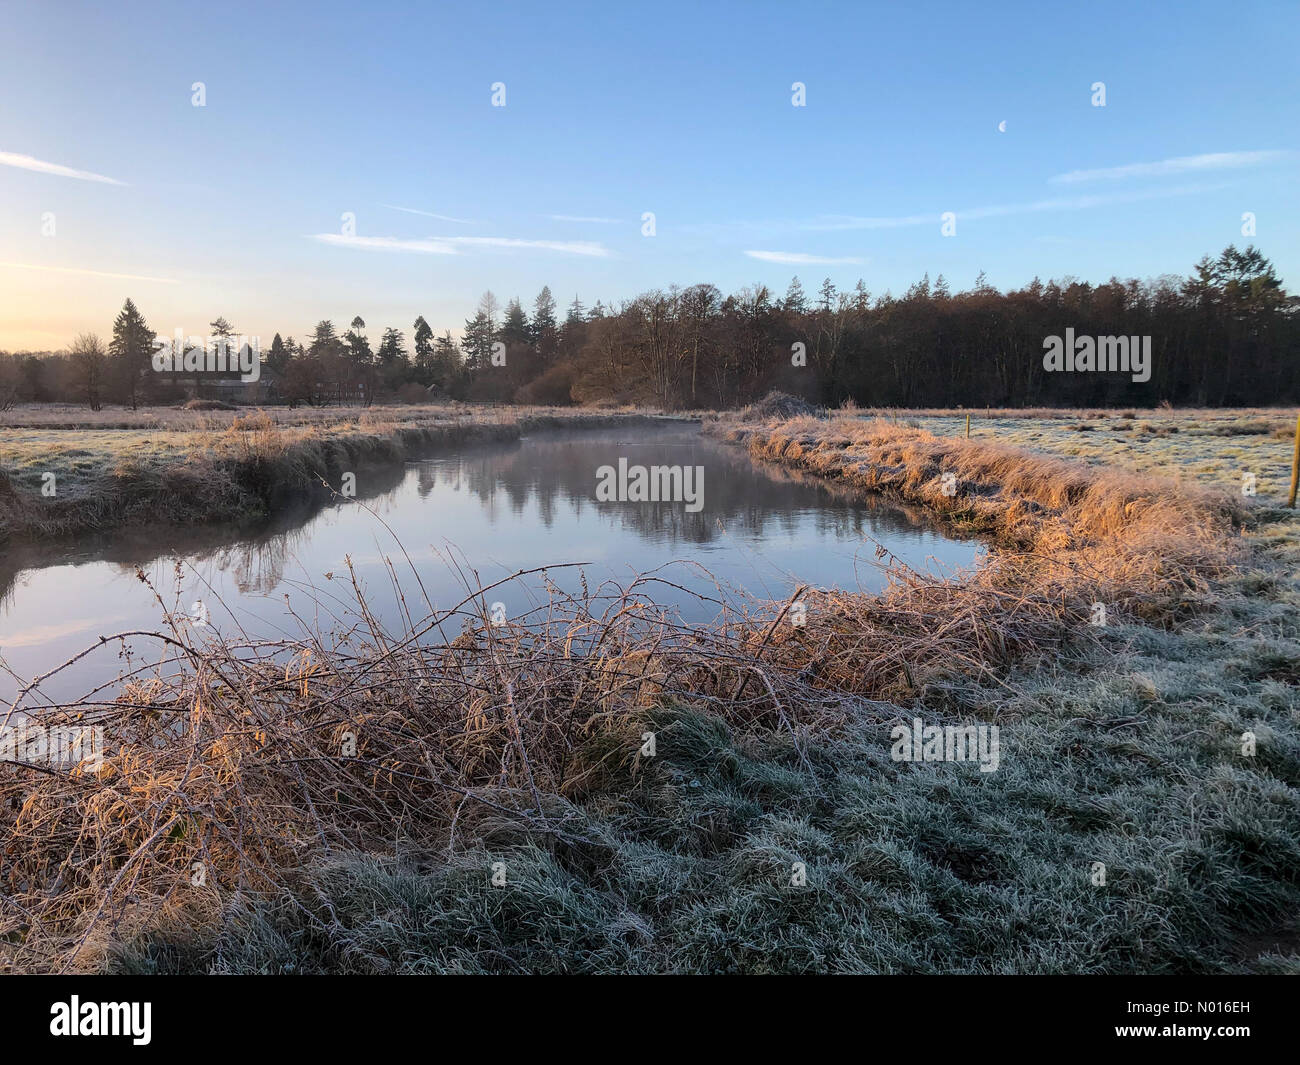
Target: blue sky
(612, 110)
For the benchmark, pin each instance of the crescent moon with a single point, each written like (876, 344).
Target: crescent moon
(1002, 126)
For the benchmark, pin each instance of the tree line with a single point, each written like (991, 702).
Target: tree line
(1226, 334)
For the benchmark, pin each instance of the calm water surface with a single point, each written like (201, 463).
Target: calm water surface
(494, 509)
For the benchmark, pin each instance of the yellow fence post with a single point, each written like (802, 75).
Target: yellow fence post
(1295, 464)
(968, 430)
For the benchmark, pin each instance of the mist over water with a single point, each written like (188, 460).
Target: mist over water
(489, 511)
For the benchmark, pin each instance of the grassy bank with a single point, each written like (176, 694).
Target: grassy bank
(189, 468)
(458, 796)
(1212, 447)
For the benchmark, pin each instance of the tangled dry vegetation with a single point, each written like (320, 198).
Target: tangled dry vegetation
(262, 760)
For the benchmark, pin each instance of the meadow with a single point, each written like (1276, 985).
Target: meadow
(485, 800)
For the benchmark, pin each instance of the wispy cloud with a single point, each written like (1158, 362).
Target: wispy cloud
(452, 245)
(833, 222)
(796, 257)
(1060, 203)
(595, 219)
(419, 247)
(430, 214)
(1184, 164)
(89, 273)
(567, 247)
(26, 162)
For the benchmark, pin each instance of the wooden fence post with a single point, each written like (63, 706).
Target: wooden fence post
(1295, 464)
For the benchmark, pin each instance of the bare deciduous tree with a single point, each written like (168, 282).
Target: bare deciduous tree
(88, 359)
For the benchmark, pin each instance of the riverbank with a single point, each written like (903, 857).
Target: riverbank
(490, 800)
(60, 476)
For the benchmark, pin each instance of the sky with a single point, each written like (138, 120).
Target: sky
(114, 184)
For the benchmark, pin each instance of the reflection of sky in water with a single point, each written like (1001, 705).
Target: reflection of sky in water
(498, 509)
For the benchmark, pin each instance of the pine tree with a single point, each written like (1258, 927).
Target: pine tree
(795, 301)
(573, 334)
(278, 357)
(423, 337)
(327, 363)
(221, 329)
(480, 334)
(131, 350)
(544, 334)
(394, 365)
(514, 327)
(391, 348)
(324, 341)
(359, 354)
(446, 362)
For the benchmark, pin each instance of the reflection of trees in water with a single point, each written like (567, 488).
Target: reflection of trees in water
(739, 495)
(257, 561)
(256, 565)
(256, 554)
(426, 478)
(551, 471)
(10, 566)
